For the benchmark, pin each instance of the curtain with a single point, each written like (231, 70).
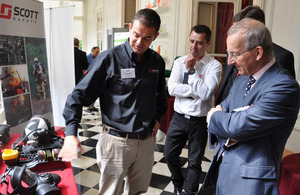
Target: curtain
(225, 14)
(60, 52)
(245, 3)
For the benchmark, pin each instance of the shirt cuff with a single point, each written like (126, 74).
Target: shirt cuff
(71, 129)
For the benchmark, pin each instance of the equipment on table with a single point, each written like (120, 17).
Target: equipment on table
(25, 182)
(38, 144)
(4, 134)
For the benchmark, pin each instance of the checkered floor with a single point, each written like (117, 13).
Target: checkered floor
(87, 173)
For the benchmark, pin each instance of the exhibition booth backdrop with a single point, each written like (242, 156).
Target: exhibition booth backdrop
(60, 52)
(35, 79)
(25, 89)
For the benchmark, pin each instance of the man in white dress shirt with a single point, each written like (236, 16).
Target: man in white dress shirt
(193, 81)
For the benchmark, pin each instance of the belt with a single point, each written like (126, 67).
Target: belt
(118, 133)
(191, 117)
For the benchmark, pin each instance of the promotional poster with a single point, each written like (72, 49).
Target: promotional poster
(24, 74)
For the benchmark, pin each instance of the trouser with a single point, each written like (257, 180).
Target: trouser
(118, 158)
(181, 130)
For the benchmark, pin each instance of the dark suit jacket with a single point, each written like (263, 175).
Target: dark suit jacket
(252, 165)
(81, 63)
(283, 56)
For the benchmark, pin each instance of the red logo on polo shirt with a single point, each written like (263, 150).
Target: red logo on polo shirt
(5, 11)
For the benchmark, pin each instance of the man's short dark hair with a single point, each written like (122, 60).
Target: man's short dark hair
(250, 11)
(76, 42)
(93, 48)
(147, 17)
(202, 29)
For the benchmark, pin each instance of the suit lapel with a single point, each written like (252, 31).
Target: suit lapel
(267, 76)
(237, 92)
(238, 99)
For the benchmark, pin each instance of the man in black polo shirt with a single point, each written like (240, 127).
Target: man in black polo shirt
(129, 80)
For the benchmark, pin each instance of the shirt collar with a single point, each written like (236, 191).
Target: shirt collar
(259, 73)
(128, 48)
(204, 60)
(132, 54)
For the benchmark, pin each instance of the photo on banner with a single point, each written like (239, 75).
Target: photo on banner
(24, 74)
(39, 80)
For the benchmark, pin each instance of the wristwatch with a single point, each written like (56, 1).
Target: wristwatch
(191, 70)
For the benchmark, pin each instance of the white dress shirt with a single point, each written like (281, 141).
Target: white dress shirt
(197, 97)
(259, 73)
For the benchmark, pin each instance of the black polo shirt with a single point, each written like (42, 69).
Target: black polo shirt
(132, 95)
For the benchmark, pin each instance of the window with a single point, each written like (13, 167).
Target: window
(130, 7)
(100, 28)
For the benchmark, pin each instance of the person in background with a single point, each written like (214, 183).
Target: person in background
(90, 58)
(80, 60)
(129, 80)
(193, 81)
(284, 57)
(253, 123)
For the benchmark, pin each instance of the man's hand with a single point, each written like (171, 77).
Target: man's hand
(212, 110)
(190, 61)
(155, 129)
(69, 151)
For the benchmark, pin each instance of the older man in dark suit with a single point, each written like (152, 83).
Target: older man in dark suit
(255, 120)
(284, 57)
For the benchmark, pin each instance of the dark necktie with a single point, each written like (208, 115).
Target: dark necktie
(251, 81)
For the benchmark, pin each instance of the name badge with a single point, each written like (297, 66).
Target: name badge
(128, 73)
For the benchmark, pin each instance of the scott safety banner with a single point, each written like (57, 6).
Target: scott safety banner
(24, 74)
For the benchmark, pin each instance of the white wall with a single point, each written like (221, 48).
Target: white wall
(183, 27)
(282, 18)
(113, 17)
(91, 25)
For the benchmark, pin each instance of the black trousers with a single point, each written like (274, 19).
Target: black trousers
(181, 130)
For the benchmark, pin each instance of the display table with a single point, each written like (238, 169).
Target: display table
(289, 180)
(166, 119)
(67, 184)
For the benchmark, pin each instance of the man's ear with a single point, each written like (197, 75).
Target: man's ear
(130, 26)
(259, 51)
(155, 36)
(208, 44)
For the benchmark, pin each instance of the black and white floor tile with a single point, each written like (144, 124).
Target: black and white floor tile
(87, 173)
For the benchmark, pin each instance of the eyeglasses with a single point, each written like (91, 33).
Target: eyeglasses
(235, 55)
